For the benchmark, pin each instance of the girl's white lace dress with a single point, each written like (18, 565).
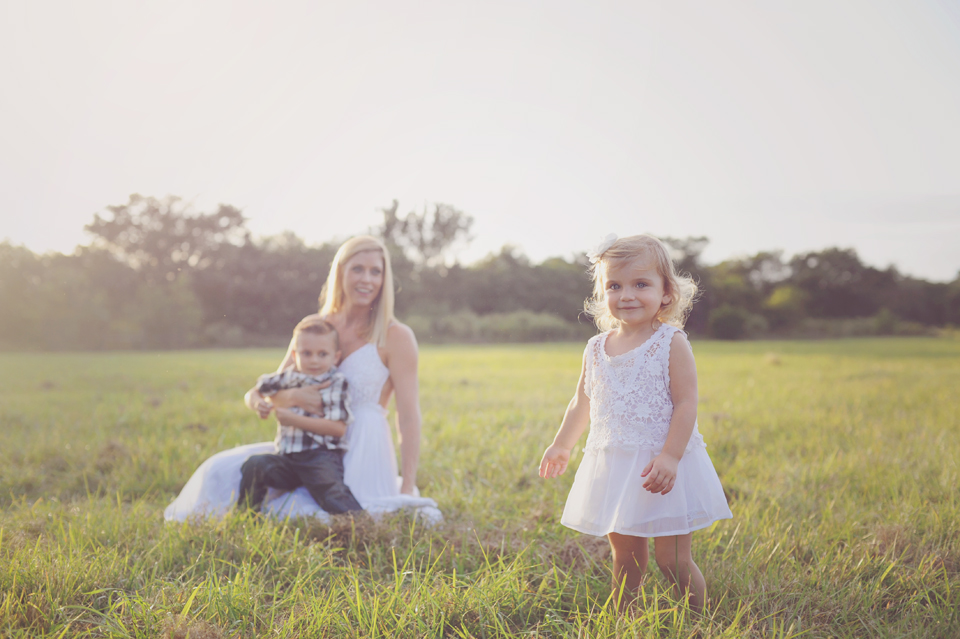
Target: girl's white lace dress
(370, 464)
(630, 411)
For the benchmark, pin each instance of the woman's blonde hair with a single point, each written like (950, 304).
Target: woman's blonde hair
(680, 287)
(332, 295)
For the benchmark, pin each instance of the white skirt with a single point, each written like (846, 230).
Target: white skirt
(370, 470)
(608, 495)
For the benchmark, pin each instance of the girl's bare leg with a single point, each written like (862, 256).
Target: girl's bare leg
(629, 565)
(676, 562)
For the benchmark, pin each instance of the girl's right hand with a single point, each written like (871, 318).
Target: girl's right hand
(554, 462)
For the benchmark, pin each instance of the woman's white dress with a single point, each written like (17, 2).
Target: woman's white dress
(630, 412)
(370, 464)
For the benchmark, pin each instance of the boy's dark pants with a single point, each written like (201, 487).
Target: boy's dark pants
(319, 469)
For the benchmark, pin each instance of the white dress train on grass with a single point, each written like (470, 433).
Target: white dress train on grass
(370, 463)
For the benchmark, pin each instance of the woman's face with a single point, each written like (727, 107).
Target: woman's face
(363, 278)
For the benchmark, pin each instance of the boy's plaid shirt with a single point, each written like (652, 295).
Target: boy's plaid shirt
(335, 402)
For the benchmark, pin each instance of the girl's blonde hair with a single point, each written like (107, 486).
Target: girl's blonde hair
(332, 295)
(681, 288)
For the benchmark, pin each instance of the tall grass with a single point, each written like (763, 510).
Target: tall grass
(840, 460)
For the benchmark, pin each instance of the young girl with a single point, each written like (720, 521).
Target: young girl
(645, 471)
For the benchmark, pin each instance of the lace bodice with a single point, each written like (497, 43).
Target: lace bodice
(365, 375)
(630, 403)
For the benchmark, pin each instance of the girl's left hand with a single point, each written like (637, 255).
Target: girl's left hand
(661, 474)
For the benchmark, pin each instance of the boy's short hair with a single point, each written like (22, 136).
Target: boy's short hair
(316, 326)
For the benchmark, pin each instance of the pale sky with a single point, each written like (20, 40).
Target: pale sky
(790, 125)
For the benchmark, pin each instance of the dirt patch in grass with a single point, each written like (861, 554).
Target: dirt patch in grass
(54, 463)
(179, 628)
(582, 552)
(911, 550)
(110, 456)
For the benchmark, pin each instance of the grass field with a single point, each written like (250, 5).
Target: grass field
(840, 460)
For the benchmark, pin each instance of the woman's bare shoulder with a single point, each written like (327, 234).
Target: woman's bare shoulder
(400, 332)
(401, 339)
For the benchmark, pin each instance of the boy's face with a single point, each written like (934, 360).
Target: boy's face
(316, 354)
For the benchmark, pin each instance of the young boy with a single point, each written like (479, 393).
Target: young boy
(309, 447)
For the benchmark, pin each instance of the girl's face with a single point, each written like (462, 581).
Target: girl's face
(363, 278)
(634, 291)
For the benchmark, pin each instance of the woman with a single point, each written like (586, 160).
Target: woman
(379, 359)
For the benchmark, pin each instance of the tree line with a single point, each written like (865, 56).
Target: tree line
(160, 275)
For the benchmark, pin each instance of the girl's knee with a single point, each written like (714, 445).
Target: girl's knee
(670, 557)
(626, 543)
(630, 556)
(627, 549)
(667, 566)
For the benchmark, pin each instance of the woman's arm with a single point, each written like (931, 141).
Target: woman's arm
(306, 397)
(661, 472)
(257, 403)
(290, 358)
(316, 425)
(402, 357)
(575, 420)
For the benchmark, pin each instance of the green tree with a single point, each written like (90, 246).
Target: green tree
(162, 237)
(838, 284)
(785, 306)
(21, 272)
(262, 288)
(686, 253)
(728, 322)
(951, 303)
(426, 238)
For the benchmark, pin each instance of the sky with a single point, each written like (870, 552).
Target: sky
(794, 126)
